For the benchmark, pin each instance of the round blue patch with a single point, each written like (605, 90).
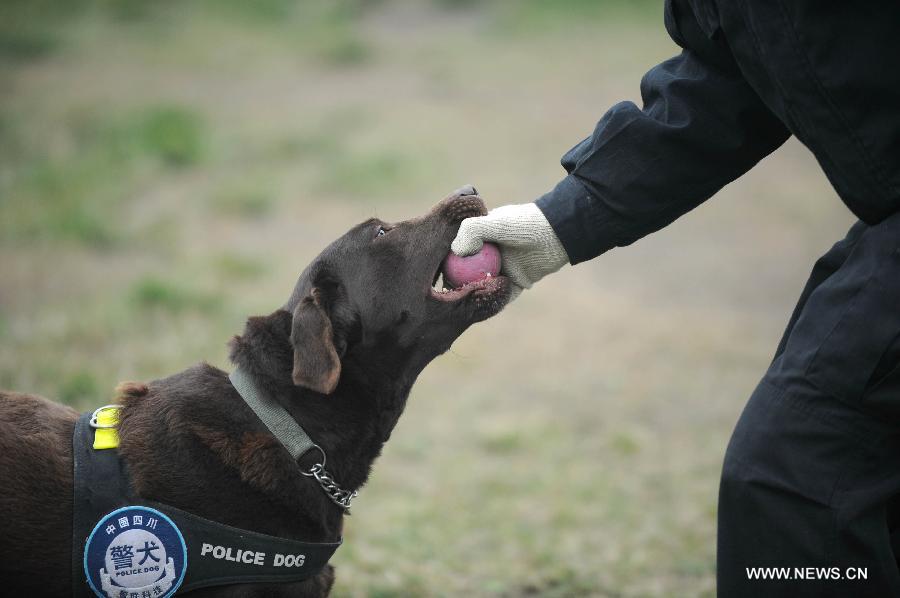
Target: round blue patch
(135, 552)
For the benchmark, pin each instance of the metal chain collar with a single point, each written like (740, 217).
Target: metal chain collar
(338, 495)
(341, 498)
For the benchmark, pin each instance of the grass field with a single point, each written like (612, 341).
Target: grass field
(168, 168)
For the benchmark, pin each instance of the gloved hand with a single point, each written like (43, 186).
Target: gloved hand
(529, 247)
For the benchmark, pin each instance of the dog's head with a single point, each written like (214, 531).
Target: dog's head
(372, 291)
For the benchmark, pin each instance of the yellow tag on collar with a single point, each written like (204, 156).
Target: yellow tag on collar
(105, 420)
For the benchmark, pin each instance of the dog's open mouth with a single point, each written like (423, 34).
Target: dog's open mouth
(485, 287)
(489, 287)
(479, 285)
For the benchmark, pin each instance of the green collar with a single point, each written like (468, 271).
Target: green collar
(290, 434)
(284, 427)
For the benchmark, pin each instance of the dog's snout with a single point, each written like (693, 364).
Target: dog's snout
(459, 205)
(467, 190)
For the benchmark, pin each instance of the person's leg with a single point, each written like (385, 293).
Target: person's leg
(812, 473)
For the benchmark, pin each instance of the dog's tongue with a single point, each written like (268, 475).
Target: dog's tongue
(462, 270)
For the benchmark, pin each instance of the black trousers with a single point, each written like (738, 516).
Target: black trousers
(810, 489)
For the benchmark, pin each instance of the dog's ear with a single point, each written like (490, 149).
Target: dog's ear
(316, 362)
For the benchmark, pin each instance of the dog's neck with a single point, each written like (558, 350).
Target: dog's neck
(353, 423)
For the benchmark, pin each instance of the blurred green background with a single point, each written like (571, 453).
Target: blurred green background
(167, 169)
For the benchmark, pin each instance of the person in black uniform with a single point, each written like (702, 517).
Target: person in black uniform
(811, 476)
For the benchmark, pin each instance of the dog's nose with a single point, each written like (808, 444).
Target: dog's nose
(467, 190)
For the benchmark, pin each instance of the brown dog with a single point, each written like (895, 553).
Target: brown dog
(341, 357)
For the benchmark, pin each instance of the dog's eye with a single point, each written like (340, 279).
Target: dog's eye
(381, 231)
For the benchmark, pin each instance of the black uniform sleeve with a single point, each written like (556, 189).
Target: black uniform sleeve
(701, 127)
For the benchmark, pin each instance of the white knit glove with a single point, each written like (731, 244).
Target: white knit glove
(530, 249)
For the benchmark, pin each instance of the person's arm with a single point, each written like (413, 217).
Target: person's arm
(701, 127)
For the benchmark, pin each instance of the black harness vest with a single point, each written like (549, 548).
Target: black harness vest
(212, 553)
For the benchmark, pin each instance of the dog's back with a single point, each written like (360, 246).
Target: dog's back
(36, 500)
